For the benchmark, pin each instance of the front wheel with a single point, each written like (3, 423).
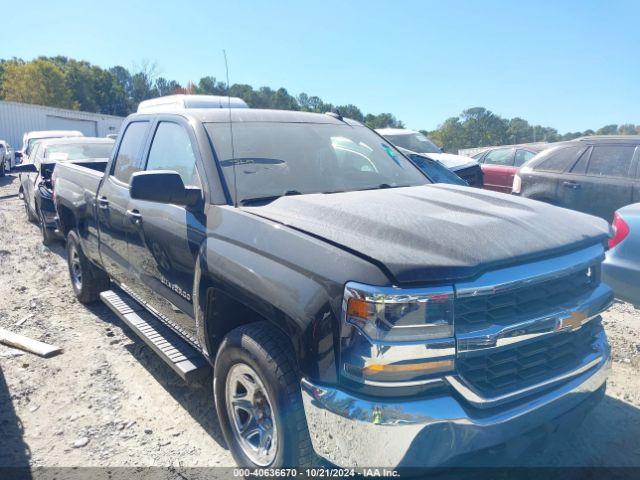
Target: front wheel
(2, 170)
(48, 236)
(30, 216)
(87, 280)
(258, 400)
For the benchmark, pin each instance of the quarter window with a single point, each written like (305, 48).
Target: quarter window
(522, 156)
(172, 150)
(127, 160)
(500, 156)
(611, 160)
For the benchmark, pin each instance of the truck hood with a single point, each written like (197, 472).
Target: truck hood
(436, 232)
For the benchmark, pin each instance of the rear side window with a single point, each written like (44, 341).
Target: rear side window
(501, 156)
(522, 156)
(558, 160)
(611, 160)
(127, 160)
(172, 150)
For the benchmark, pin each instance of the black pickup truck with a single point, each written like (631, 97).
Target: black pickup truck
(347, 307)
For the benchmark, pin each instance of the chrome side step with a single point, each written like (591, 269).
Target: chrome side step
(173, 349)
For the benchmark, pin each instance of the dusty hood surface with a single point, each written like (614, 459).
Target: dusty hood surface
(436, 232)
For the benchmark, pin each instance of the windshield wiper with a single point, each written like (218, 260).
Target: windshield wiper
(268, 198)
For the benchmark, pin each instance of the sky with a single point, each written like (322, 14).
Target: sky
(571, 65)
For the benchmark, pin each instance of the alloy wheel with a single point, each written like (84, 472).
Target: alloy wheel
(251, 414)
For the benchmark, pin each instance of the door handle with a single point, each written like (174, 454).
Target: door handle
(103, 202)
(135, 216)
(573, 185)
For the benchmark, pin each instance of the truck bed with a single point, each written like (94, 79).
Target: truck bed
(76, 178)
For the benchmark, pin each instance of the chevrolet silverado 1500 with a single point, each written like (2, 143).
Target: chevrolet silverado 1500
(347, 306)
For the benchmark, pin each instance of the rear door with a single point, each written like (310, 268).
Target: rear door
(608, 183)
(112, 200)
(166, 239)
(498, 169)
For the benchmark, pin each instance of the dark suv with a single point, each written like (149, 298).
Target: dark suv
(595, 175)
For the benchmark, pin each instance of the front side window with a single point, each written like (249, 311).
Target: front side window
(273, 159)
(172, 150)
(500, 156)
(128, 158)
(610, 160)
(416, 142)
(557, 160)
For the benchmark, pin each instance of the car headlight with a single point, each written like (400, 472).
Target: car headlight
(391, 335)
(517, 184)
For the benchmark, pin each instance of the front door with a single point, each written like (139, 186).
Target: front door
(167, 238)
(498, 169)
(112, 201)
(29, 180)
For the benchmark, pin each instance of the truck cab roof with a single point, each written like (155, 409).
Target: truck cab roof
(181, 102)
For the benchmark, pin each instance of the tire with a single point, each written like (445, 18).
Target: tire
(2, 170)
(48, 237)
(30, 216)
(87, 280)
(266, 352)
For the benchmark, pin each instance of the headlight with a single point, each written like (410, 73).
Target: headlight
(391, 335)
(517, 184)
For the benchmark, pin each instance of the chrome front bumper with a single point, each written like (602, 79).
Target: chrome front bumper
(437, 430)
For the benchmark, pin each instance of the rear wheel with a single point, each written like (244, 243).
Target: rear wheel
(258, 400)
(87, 280)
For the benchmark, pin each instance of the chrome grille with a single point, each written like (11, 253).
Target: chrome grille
(514, 305)
(528, 363)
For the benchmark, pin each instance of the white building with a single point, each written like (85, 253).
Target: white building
(18, 118)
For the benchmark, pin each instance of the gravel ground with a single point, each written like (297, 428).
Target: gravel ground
(107, 400)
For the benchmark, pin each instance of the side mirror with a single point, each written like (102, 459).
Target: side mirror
(163, 186)
(26, 168)
(17, 154)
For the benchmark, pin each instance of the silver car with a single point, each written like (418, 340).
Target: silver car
(621, 269)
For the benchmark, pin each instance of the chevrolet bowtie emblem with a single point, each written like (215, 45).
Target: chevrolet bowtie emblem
(572, 322)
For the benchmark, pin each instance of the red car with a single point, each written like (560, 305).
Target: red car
(500, 164)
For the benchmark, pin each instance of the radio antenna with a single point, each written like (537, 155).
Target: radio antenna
(233, 150)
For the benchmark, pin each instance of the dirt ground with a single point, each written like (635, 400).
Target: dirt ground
(107, 400)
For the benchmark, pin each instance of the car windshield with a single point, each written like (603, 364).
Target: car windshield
(78, 151)
(276, 159)
(436, 171)
(416, 142)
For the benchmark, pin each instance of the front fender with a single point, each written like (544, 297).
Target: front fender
(303, 308)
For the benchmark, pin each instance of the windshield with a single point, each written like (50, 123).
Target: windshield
(78, 151)
(436, 171)
(275, 159)
(416, 142)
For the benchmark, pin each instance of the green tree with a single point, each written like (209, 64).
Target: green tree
(608, 130)
(210, 86)
(519, 131)
(39, 82)
(351, 111)
(382, 120)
